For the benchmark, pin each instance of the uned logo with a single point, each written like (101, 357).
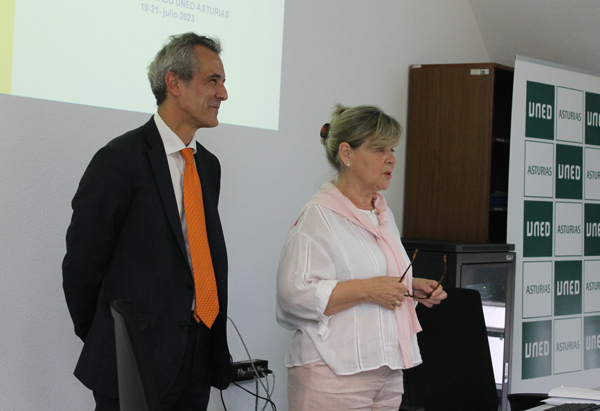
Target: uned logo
(592, 229)
(537, 228)
(592, 118)
(539, 121)
(567, 294)
(567, 287)
(591, 353)
(539, 110)
(537, 349)
(536, 357)
(569, 163)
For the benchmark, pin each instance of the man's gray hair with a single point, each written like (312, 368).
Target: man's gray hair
(178, 56)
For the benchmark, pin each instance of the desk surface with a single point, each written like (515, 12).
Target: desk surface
(548, 406)
(541, 407)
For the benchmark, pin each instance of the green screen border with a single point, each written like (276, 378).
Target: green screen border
(7, 30)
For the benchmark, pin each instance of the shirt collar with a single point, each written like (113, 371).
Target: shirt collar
(171, 141)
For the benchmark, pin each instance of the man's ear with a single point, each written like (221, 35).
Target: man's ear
(173, 83)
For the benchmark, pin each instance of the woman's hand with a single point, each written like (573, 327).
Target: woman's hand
(428, 292)
(386, 292)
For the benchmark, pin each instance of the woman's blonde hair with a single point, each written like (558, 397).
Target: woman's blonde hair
(356, 125)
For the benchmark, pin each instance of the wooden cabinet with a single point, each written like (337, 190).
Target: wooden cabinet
(457, 155)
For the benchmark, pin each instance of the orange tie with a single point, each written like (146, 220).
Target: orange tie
(207, 301)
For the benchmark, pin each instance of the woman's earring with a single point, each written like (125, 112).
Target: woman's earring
(348, 164)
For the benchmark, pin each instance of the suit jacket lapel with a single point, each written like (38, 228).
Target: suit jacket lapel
(210, 177)
(158, 159)
(207, 182)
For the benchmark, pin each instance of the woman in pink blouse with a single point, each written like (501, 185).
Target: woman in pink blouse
(342, 283)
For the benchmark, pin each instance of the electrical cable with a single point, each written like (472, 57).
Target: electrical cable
(223, 401)
(273, 406)
(256, 373)
(256, 398)
(272, 390)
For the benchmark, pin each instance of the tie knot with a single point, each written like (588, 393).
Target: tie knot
(188, 155)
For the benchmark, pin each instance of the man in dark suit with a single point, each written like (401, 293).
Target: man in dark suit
(128, 238)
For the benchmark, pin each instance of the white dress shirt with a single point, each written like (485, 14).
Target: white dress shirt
(173, 145)
(320, 250)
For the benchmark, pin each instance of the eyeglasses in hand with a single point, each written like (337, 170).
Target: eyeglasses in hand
(410, 265)
(427, 295)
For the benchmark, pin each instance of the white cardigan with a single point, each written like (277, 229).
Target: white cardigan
(320, 250)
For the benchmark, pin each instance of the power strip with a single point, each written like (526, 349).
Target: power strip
(243, 370)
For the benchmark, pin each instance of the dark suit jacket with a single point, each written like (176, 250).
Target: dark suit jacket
(125, 241)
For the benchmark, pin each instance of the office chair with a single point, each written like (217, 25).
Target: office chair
(137, 387)
(457, 372)
(525, 401)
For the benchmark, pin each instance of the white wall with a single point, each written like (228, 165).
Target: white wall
(347, 51)
(559, 31)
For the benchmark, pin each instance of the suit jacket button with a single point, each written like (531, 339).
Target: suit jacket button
(183, 326)
(189, 286)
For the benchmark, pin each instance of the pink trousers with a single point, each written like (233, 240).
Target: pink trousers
(314, 387)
